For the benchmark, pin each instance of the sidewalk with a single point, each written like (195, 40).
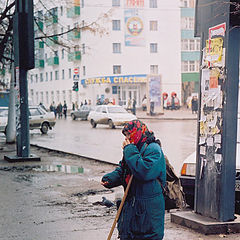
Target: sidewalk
(181, 114)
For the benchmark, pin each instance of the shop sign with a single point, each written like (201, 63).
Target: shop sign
(127, 79)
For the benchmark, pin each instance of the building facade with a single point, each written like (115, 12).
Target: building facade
(111, 49)
(190, 51)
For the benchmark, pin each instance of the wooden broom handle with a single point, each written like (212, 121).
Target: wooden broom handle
(120, 208)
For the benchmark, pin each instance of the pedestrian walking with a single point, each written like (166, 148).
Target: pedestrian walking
(134, 106)
(65, 109)
(194, 104)
(142, 216)
(59, 110)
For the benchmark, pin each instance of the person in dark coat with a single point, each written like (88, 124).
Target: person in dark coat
(142, 216)
(65, 109)
(194, 104)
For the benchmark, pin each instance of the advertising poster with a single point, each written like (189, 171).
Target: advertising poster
(154, 92)
(134, 27)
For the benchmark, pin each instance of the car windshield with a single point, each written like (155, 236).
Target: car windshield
(116, 110)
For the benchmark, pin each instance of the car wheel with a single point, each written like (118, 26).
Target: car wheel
(73, 116)
(93, 123)
(111, 124)
(44, 128)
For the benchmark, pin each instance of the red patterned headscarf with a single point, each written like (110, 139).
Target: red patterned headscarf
(138, 131)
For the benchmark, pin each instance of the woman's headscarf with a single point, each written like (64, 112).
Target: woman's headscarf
(139, 133)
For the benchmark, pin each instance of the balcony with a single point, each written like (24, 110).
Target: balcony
(75, 34)
(39, 63)
(74, 56)
(51, 19)
(2, 72)
(51, 41)
(73, 12)
(53, 61)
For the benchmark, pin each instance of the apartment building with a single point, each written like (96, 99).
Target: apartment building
(190, 50)
(115, 47)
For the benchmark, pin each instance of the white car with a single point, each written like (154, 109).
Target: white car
(187, 179)
(38, 119)
(112, 115)
(3, 118)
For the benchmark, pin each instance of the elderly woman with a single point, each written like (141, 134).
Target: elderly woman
(142, 216)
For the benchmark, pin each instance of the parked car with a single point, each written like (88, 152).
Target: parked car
(187, 179)
(82, 112)
(112, 115)
(38, 119)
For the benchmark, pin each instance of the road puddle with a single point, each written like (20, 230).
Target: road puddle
(60, 168)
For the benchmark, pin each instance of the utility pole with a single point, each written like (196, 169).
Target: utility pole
(23, 33)
(217, 23)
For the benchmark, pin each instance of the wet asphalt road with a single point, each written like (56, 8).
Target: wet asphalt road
(178, 139)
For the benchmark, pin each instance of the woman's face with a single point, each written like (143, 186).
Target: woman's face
(127, 135)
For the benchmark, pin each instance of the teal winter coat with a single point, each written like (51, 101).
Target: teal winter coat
(142, 216)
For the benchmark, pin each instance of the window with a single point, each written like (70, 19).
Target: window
(63, 53)
(116, 3)
(56, 75)
(83, 48)
(36, 77)
(51, 76)
(62, 30)
(84, 70)
(184, 66)
(47, 98)
(197, 44)
(55, 53)
(69, 73)
(191, 23)
(58, 96)
(46, 74)
(82, 3)
(153, 25)
(41, 77)
(116, 69)
(153, 69)
(184, 43)
(153, 3)
(63, 74)
(153, 47)
(191, 66)
(45, 56)
(191, 44)
(31, 78)
(52, 96)
(116, 25)
(61, 10)
(116, 47)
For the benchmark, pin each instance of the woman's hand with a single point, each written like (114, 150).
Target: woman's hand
(125, 142)
(104, 183)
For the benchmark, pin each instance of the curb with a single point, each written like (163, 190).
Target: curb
(73, 154)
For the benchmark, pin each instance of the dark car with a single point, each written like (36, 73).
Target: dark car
(82, 112)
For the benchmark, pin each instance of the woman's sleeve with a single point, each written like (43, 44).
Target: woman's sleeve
(113, 178)
(147, 167)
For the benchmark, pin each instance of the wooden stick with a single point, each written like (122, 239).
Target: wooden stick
(120, 208)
